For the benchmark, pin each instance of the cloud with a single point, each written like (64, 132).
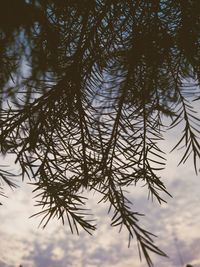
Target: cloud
(176, 224)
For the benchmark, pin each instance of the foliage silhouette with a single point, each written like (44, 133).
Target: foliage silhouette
(85, 87)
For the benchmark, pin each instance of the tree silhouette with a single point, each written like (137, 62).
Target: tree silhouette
(85, 88)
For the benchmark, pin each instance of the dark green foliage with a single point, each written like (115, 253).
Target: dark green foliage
(85, 88)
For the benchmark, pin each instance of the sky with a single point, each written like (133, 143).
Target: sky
(175, 223)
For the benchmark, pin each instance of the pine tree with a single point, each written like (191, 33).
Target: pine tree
(85, 89)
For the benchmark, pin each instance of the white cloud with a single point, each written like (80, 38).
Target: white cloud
(176, 224)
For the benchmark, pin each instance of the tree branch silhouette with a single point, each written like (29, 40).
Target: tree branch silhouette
(85, 89)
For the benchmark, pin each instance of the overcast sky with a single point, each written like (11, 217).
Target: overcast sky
(176, 224)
